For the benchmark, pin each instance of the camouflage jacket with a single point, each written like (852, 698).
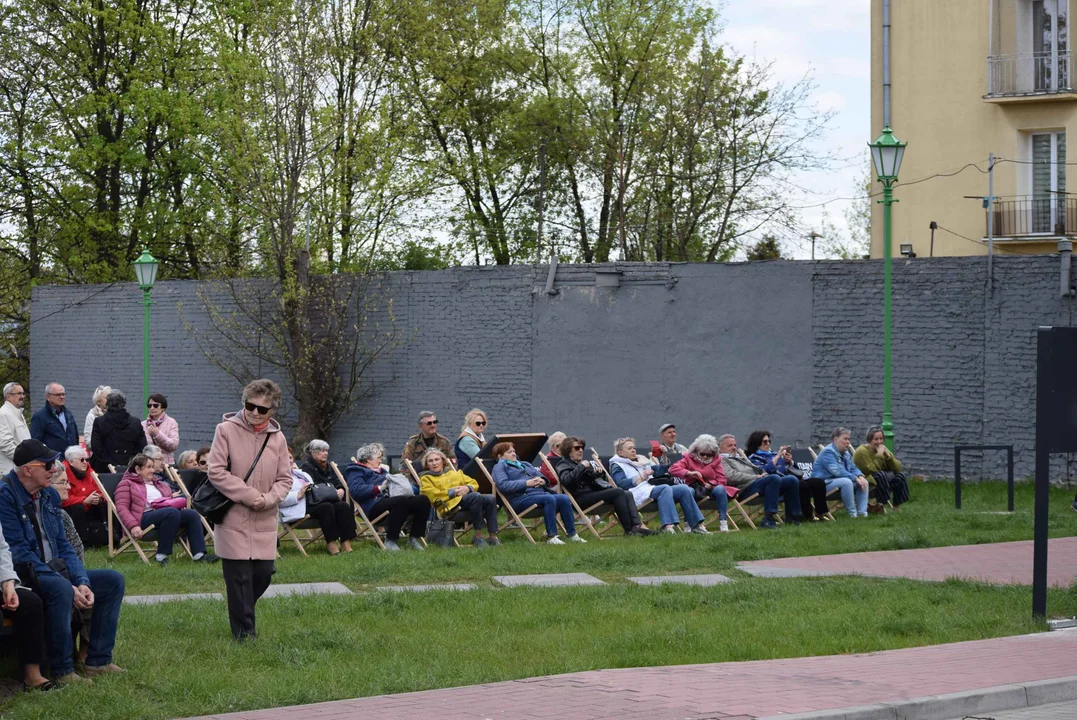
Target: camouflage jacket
(416, 446)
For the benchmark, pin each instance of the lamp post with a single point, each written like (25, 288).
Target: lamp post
(886, 153)
(146, 272)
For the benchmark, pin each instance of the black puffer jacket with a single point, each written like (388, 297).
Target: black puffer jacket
(321, 476)
(579, 477)
(117, 437)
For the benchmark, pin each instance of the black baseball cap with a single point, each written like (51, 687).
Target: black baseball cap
(31, 450)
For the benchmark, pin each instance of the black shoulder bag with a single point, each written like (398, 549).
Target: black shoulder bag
(211, 503)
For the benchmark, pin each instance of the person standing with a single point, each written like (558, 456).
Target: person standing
(98, 409)
(160, 428)
(13, 429)
(54, 424)
(249, 464)
(117, 435)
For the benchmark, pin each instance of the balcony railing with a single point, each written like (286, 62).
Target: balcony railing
(1028, 74)
(1030, 216)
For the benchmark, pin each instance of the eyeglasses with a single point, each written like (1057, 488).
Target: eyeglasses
(157, 405)
(18, 394)
(251, 407)
(706, 455)
(480, 423)
(63, 394)
(430, 422)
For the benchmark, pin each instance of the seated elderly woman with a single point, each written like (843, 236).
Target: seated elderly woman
(369, 483)
(812, 490)
(449, 489)
(835, 465)
(472, 437)
(883, 470)
(84, 504)
(317, 465)
(523, 486)
(555, 452)
(701, 469)
(143, 500)
(587, 483)
(648, 480)
(155, 453)
(187, 460)
(326, 504)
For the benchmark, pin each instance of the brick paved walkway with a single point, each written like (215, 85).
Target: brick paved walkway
(723, 691)
(1001, 563)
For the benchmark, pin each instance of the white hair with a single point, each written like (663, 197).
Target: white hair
(316, 446)
(369, 452)
(10, 388)
(102, 391)
(152, 451)
(704, 442)
(75, 452)
(620, 443)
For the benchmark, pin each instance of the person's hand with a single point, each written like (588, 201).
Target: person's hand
(694, 474)
(92, 499)
(82, 598)
(153, 430)
(534, 482)
(340, 494)
(462, 490)
(136, 533)
(303, 491)
(862, 483)
(11, 598)
(259, 503)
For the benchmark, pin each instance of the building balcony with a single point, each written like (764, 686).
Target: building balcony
(1030, 218)
(1030, 77)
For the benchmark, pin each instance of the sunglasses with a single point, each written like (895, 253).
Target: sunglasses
(706, 455)
(203, 463)
(577, 447)
(251, 407)
(47, 465)
(153, 405)
(431, 422)
(480, 423)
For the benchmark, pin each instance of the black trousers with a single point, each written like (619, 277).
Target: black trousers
(813, 491)
(621, 500)
(29, 620)
(245, 581)
(90, 523)
(337, 519)
(417, 507)
(483, 511)
(891, 487)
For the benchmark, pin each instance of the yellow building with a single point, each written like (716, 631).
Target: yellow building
(968, 78)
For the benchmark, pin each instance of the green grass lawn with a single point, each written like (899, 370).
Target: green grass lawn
(181, 661)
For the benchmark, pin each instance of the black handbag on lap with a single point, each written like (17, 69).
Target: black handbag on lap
(211, 503)
(320, 493)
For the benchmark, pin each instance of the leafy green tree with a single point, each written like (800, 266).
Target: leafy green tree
(766, 249)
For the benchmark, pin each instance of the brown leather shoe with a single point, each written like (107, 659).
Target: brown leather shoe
(111, 668)
(876, 509)
(73, 679)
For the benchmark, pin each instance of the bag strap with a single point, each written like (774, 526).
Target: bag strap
(256, 458)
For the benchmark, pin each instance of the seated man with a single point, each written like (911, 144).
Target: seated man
(667, 443)
(741, 473)
(427, 437)
(30, 516)
(835, 465)
(883, 470)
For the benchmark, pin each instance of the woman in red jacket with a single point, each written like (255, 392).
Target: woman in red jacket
(701, 469)
(143, 500)
(84, 503)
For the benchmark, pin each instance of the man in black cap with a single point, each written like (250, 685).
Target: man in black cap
(31, 522)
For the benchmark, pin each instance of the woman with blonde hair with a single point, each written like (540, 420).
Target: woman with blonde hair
(448, 489)
(100, 395)
(472, 437)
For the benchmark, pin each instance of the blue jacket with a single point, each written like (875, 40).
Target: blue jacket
(765, 459)
(19, 532)
(512, 480)
(830, 464)
(45, 426)
(362, 484)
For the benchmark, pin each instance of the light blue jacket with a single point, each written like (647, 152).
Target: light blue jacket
(830, 464)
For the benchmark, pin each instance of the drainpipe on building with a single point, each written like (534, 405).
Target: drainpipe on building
(1065, 253)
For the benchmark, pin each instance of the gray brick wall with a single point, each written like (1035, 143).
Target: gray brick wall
(794, 347)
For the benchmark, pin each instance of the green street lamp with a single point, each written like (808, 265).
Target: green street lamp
(146, 272)
(886, 153)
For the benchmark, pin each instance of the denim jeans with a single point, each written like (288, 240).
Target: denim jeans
(551, 505)
(854, 499)
(773, 486)
(668, 496)
(722, 499)
(167, 522)
(108, 589)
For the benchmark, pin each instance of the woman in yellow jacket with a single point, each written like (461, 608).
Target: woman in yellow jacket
(449, 489)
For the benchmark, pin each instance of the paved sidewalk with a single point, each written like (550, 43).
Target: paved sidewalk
(1054, 711)
(1000, 563)
(724, 691)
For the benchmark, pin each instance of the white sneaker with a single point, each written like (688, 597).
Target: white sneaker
(723, 526)
(576, 539)
(687, 530)
(669, 530)
(700, 529)
(555, 541)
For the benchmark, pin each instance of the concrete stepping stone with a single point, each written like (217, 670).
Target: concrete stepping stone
(424, 588)
(704, 580)
(766, 571)
(324, 588)
(158, 599)
(551, 580)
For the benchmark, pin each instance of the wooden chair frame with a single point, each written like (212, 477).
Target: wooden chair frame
(365, 527)
(645, 515)
(579, 515)
(607, 510)
(130, 542)
(515, 520)
(176, 478)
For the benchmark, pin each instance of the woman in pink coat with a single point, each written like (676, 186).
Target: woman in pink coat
(701, 469)
(161, 429)
(143, 500)
(246, 539)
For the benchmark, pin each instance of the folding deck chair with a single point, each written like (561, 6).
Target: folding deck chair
(804, 459)
(365, 527)
(106, 485)
(610, 516)
(580, 515)
(456, 515)
(181, 478)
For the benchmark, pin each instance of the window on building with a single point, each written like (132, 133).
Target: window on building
(1048, 181)
(1050, 45)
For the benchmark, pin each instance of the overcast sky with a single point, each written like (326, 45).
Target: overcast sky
(833, 38)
